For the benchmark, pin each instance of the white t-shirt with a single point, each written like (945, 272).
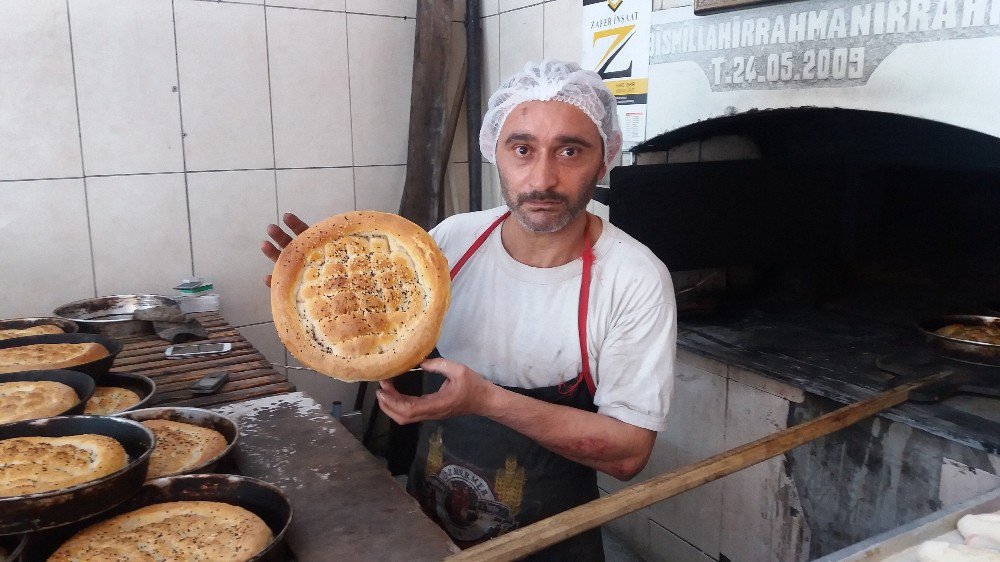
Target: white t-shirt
(517, 325)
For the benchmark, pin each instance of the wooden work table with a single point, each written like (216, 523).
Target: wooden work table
(346, 505)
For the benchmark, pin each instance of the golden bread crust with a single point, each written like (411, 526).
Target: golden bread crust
(360, 296)
(49, 356)
(40, 330)
(31, 465)
(185, 530)
(181, 446)
(110, 400)
(983, 334)
(28, 400)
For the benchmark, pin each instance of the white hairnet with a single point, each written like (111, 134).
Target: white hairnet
(557, 81)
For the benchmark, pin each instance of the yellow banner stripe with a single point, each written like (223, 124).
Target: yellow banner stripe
(628, 86)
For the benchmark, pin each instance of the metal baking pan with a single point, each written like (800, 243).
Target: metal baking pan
(139, 384)
(257, 496)
(11, 547)
(67, 326)
(81, 383)
(94, 368)
(113, 315)
(33, 512)
(193, 416)
(964, 350)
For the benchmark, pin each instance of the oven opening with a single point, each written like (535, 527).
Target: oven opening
(812, 241)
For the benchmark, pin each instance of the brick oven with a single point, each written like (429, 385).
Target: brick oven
(819, 177)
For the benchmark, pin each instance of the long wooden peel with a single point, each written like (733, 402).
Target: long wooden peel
(547, 532)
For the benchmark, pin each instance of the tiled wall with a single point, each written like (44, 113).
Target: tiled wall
(143, 141)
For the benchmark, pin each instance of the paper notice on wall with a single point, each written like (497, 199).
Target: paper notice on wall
(616, 46)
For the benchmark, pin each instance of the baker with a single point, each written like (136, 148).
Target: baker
(557, 353)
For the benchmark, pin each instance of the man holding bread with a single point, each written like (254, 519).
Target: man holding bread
(557, 351)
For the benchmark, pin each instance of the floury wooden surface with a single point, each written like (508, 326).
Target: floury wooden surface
(346, 505)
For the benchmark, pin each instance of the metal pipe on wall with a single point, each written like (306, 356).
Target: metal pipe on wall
(474, 93)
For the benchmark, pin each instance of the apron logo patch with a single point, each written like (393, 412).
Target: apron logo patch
(466, 506)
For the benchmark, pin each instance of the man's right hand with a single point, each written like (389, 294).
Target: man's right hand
(281, 238)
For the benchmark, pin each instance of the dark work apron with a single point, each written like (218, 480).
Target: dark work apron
(480, 479)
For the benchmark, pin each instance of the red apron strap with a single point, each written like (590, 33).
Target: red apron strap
(475, 245)
(588, 264)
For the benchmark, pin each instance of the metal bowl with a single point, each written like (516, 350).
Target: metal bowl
(94, 368)
(112, 315)
(44, 510)
(81, 383)
(193, 416)
(139, 384)
(264, 499)
(67, 326)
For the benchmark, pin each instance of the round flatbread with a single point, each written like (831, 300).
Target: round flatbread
(360, 296)
(31, 465)
(181, 446)
(49, 356)
(184, 530)
(110, 400)
(28, 400)
(40, 330)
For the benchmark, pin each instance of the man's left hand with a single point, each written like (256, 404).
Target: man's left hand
(464, 392)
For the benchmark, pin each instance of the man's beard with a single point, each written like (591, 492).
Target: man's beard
(548, 222)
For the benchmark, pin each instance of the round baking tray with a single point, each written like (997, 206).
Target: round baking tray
(113, 315)
(34, 512)
(972, 351)
(257, 496)
(193, 416)
(93, 368)
(67, 326)
(12, 545)
(81, 383)
(139, 384)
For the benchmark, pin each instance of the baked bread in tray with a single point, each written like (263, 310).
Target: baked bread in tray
(32, 465)
(182, 530)
(360, 296)
(49, 356)
(40, 330)
(28, 400)
(181, 447)
(110, 400)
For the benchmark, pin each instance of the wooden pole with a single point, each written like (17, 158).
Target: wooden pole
(547, 532)
(422, 199)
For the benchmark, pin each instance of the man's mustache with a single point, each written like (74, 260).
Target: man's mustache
(543, 196)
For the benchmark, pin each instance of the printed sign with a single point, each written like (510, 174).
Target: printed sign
(821, 44)
(616, 46)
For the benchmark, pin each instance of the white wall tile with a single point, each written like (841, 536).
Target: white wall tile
(379, 187)
(314, 195)
(126, 72)
(381, 59)
(489, 7)
(406, 8)
(491, 57)
(139, 226)
(310, 101)
(508, 5)
(457, 188)
(39, 136)
(491, 187)
(44, 247)
(563, 29)
(229, 212)
(520, 39)
(335, 5)
(224, 85)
